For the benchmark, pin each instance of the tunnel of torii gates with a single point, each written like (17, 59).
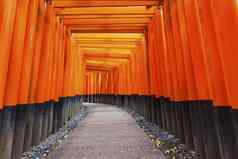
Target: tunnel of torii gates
(172, 61)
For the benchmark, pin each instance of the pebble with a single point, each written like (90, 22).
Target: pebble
(166, 142)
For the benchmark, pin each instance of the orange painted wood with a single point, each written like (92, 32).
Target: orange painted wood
(157, 52)
(163, 62)
(63, 63)
(129, 78)
(7, 18)
(110, 83)
(76, 66)
(37, 23)
(87, 84)
(74, 49)
(143, 68)
(128, 90)
(29, 45)
(178, 54)
(69, 70)
(60, 63)
(155, 79)
(100, 3)
(186, 53)
(213, 54)
(42, 87)
(189, 54)
(17, 49)
(225, 16)
(132, 72)
(55, 60)
(172, 69)
(197, 50)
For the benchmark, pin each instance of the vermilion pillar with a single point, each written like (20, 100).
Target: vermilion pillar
(7, 21)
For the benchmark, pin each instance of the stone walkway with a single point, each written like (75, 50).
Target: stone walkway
(107, 133)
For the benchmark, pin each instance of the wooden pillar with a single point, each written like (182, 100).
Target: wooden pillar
(226, 32)
(17, 49)
(7, 13)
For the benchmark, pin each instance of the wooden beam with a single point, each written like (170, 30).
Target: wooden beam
(108, 36)
(110, 50)
(95, 58)
(107, 46)
(102, 21)
(109, 55)
(106, 42)
(93, 30)
(107, 26)
(103, 3)
(118, 53)
(98, 68)
(89, 70)
(104, 64)
(101, 64)
(106, 10)
(105, 16)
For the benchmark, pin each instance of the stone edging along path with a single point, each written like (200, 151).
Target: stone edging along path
(54, 141)
(167, 143)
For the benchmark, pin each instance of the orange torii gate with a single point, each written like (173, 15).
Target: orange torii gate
(174, 62)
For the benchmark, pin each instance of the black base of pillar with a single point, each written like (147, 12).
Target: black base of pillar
(158, 112)
(226, 132)
(179, 121)
(197, 128)
(30, 112)
(45, 121)
(50, 118)
(24, 126)
(37, 127)
(210, 137)
(20, 125)
(7, 132)
(235, 123)
(188, 133)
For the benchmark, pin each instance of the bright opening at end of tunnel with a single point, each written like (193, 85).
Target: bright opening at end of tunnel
(109, 61)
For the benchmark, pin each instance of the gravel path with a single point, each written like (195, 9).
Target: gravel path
(108, 132)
